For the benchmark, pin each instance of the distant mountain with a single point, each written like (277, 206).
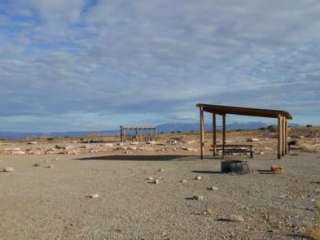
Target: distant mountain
(24, 135)
(188, 127)
(162, 128)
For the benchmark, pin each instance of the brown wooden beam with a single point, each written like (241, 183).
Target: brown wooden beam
(287, 136)
(279, 136)
(214, 134)
(201, 132)
(284, 136)
(223, 133)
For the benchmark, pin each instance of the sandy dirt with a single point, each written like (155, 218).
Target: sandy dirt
(38, 202)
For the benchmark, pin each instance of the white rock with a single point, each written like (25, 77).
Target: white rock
(8, 169)
(150, 178)
(156, 181)
(12, 149)
(132, 148)
(253, 140)
(213, 188)
(235, 218)
(69, 147)
(198, 178)
(198, 197)
(184, 181)
(33, 143)
(108, 145)
(151, 142)
(93, 196)
(18, 152)
(188, 149)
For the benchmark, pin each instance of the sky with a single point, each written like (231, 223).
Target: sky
(97, 64)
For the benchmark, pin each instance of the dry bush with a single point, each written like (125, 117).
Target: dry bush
(313, 232)
(311, 148)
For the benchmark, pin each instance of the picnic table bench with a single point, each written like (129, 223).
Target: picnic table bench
(235, 148)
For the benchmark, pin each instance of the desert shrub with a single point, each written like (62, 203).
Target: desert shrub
(311, 148)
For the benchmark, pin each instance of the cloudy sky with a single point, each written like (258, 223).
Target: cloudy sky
(96, 64)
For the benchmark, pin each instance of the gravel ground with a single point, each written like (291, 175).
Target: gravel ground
(53, 203)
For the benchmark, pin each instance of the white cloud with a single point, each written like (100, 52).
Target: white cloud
(59, 57)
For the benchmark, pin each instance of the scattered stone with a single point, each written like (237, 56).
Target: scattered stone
(8, 169)
(184, 181)
(108, 145)
(69, 147)
(151, 142)
(50, 166)
(189, 149)
(132, 148)
(208, 212)
(276, 168)
(36, 165)
(33, 143)
(198, 197)
(156, 181)
(198, 178)
(172, 142)
(213, 188)
(150, 178)
(235, 218)
(253, 140)
(59, 147)
(12, 149)
(18, 152)
(93, 196)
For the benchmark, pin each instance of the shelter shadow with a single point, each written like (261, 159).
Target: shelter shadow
(140, 158)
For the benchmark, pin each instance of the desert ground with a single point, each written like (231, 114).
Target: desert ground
(98, 188)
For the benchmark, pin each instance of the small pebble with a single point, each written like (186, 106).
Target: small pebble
(184, 181)
(36, 165)
(198, 197)
(93, 196)
(150, 178)
(8, 169)
(213, 188)
(156, 181)
(198, 178)
(50, 166)
(235, 218)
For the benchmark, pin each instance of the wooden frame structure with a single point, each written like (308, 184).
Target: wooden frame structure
(215, 110)
(138, 132)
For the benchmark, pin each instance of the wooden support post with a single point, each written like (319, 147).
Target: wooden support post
(214, 134)
(287, 136)
(201, 133)
(284, 136)
(223, 133)
(121, 134)
(279, 136)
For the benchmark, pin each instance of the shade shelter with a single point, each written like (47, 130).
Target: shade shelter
(281, 116)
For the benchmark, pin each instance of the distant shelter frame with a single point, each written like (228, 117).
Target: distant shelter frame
(138, 132)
